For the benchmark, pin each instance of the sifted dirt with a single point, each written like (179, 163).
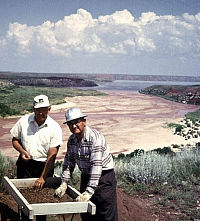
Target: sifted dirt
(45, 195)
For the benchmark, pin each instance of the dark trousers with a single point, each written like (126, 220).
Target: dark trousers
(30, 169)
(105, 197)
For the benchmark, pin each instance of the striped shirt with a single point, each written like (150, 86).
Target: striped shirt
(92, 156)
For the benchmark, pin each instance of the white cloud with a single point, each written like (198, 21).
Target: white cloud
(197, 17)
(119, 17)
(148, 18)
(118, 33)
(21, 34)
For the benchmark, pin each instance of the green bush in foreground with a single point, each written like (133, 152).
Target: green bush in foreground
(186, 167)
(145, 168)
(7, 168)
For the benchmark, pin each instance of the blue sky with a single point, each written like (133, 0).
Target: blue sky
(107, 36)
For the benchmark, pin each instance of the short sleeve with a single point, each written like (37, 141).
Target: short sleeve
(56, 138)
(16, 130)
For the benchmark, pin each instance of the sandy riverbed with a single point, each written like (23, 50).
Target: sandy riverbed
(128, 120)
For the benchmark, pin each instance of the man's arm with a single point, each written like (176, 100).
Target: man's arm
(18, 146)
(48, 166)
(68, 168)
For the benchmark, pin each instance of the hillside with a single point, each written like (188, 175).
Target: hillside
(178, 93)
(52, 82)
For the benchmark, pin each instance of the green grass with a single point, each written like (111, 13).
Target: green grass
(7, 168)
(193, 116)
(19, 100)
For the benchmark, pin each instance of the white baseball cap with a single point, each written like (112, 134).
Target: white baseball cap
(41, 101)
(73, 113)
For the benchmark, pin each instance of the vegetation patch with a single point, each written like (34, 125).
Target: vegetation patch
(172, 180)
(193, 116)
(179, 93)
(16, 100)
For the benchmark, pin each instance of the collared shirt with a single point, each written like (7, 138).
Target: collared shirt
(92, 156)
(37, 140)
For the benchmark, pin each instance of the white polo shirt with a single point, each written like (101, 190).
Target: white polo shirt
(37, 140)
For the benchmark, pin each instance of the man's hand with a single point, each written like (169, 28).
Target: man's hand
(84, 197)
(60, 191)
(39, 183)
(26, 156)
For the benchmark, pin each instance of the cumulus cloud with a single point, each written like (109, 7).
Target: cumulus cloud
(118, 33)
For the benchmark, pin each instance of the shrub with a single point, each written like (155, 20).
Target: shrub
(130, 155)
(145, 168)
(6, 110)
(10, 167)
(164, 150)
(136, 152)
(185, 167)
(121, 156)
(7, 168)
(178, 127)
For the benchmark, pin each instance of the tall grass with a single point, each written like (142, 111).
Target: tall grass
(7, 168)
(186, 167)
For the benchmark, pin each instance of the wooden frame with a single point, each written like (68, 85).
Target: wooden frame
(32, 210)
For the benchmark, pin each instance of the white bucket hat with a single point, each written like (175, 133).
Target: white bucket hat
(73, 113)
(41, 101)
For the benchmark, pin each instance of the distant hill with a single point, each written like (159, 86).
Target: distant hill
(49, 81)
(178, 93)
(101, 77)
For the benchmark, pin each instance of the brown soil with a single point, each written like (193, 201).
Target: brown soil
(130, 208)
(45, 195)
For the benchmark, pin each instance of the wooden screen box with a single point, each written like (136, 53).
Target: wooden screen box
(30, 210)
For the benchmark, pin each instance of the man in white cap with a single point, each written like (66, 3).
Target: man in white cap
(88, 149)
(37, 137)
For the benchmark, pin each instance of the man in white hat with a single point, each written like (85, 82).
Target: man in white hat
(37, 137)
(88, 149)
